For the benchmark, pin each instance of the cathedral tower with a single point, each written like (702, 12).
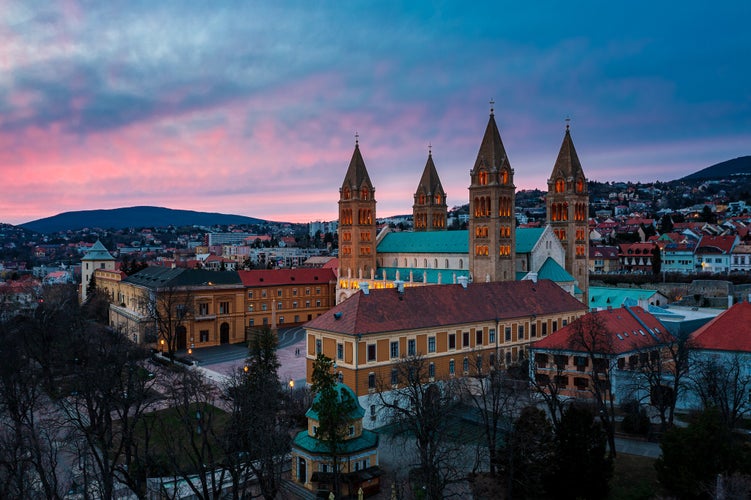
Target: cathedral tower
(492, 224)
(568, 211)
(429, 210)
(357, 221)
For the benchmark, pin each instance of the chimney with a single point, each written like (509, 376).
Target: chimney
(399, 286)
(365, 287)
(462, 281)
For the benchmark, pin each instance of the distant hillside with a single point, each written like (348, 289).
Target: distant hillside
(722, 170)
(119, 218)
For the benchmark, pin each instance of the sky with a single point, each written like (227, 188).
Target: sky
(252, 108)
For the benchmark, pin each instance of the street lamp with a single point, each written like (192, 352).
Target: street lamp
(291, 384)
(161, 346)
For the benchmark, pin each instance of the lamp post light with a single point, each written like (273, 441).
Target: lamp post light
(161, 346)
(291, 384)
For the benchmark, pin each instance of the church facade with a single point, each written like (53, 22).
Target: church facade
(492, 249)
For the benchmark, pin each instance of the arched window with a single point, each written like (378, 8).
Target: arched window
(461, 263)
(345, 193)
(447, 263)
(504, 177)
(579, 185)
(560, 185)
(425, 263)
(364, 193)
(482, 177)
(435, 263)
(438, 199)
(421, 199)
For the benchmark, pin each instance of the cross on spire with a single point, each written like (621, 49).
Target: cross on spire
(492, 104)
(357, 138)
(568, 121)
(430, 148)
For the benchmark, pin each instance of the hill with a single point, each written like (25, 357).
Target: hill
(119, 218)
(723, 170)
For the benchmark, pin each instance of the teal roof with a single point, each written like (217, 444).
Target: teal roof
(449, 241)
(425, 242)
(342, 391)
(602, 297)
(98, 252)
(551, 270)
(447, 275)
(366, 441)
(527, 238)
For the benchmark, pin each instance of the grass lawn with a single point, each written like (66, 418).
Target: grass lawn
(634, 478)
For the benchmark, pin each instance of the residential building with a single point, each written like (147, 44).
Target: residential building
(637, 257)
(603, 259)
(368, 334)
(713, 253)
(287, 297)
(741, 258)
(606, 346)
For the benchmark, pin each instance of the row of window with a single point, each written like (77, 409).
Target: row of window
(372, 352)
(280, 305)
(280, 292)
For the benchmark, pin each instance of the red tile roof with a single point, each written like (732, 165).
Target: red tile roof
(275, 277)
(625, 329)
(386, 310)
(716, 244)
(730, 331)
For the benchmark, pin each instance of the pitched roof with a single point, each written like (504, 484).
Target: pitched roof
(624, 329)
(551, 270)
(165, 277)
(716, 244)
(730, 331)
(430, 183)
(275, 277)
(357, 175)
(492, 154)
(98, 252)
(567, 164)
(449, 241)
(387, 310)
(425, 242)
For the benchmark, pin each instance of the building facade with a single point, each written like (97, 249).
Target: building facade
(448, 325)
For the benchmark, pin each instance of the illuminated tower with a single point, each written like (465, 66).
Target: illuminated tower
(568, 210)
(429, 210)
(492, 234)
(357, 221)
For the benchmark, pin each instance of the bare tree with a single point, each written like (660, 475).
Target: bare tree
(722, 383)
(191, 434)
(169, 308)
(109, 396)
(256, 438)
(591, 336)
(661, 376)
(32, 435)
(549, 388)
(420, 410)
(497, 397)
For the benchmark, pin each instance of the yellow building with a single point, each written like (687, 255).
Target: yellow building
(450, 326)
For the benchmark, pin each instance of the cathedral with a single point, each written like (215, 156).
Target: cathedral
(491, 249)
